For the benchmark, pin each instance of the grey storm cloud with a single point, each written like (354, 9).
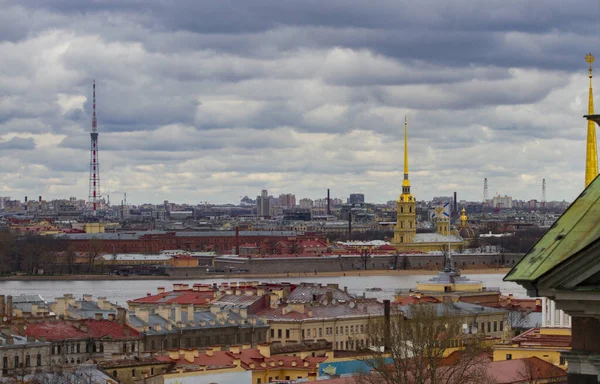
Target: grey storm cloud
(18, 143)
(212, 100)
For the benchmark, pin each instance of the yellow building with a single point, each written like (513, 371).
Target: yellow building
(93, 227)
(344, 325)
(543, 343)
(406, 237)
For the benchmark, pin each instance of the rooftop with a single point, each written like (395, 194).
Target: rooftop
(575, 230)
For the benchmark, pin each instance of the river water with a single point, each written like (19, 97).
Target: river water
(119, 291)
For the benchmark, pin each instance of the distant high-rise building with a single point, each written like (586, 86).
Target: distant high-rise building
(287, 200)
(356, 198)
(263, 205)
(502, 202)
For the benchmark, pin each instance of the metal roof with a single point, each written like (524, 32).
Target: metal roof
(572, 232)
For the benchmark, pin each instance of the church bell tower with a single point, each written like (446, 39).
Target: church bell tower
(405, 229)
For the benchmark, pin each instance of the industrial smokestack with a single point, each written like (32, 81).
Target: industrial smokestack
(387, 324)
(455, 203)
(40, 199)
(237, 240)
(350, 224)
(25, 198)
(328, 203)
(2, 306)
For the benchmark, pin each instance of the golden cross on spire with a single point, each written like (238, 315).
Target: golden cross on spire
(590, 59)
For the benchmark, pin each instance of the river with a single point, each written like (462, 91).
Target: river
(119, 291)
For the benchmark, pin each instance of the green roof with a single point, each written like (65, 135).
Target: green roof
(578, 227)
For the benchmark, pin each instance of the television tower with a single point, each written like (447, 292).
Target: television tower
(485, 190)
(94, 194)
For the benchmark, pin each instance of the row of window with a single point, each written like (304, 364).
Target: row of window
(18, 364)
(198, 341)
(318, 332)
(492, 325)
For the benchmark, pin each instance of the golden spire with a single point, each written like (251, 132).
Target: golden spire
(405, 182)
(591, 157)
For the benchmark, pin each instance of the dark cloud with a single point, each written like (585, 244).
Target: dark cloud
(291, 95)
(18, 143)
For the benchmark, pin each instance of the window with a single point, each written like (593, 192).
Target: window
(39, 359)
(362, 329)
(124, 348)
(287, 333)
(5, 362)
(482, 326)
(258, 381)
(352, 329)
(133, 347)
(279, 333)
(489, 327)
(303, 334)
(115, 374)
(346, 331)
(16, 361)
(72, 348)
(320, 332)
(495, 326)
(308, 332)
(133, 372)
(563, 360)
(287, 377)
(501, 325)
(27, 360)
(78, 348)
(101, 348)
(337, 330)
(152, 371)
(508, 356)
(272, 334)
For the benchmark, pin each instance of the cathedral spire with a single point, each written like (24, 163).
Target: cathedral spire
(591, 157)
(405, 182)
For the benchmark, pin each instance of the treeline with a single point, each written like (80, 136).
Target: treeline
(33, 254)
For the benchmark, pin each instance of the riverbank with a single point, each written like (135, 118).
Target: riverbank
(238, 276)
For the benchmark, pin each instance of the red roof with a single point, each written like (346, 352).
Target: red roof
(223, 359)
(523, 371)
(416, 300)
(107, 328)
(534, 338)
(183, 297)
(55, 330)
(386, 247)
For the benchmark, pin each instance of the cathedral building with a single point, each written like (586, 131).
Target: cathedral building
(406, 238)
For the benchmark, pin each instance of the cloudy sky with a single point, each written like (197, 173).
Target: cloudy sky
(206, 100)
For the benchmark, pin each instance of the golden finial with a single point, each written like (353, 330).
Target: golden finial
(590, 59)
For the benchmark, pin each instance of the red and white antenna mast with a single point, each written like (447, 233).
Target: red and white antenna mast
(94, 194)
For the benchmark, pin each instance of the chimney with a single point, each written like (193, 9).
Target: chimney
(111, 316)
(9, 306)
(161, 290)
(87, 297)
(264, 349)
(234, 349)
(190, 313)
(538, 302)
(102, 304)
(122, 315)
(98, 316)
(25, 199)
(177, 287)
(328, 203)
(387, 320)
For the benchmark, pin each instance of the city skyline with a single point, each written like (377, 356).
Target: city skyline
(209, 102)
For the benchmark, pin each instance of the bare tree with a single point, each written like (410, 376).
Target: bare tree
(410, 348)
(95, 250)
